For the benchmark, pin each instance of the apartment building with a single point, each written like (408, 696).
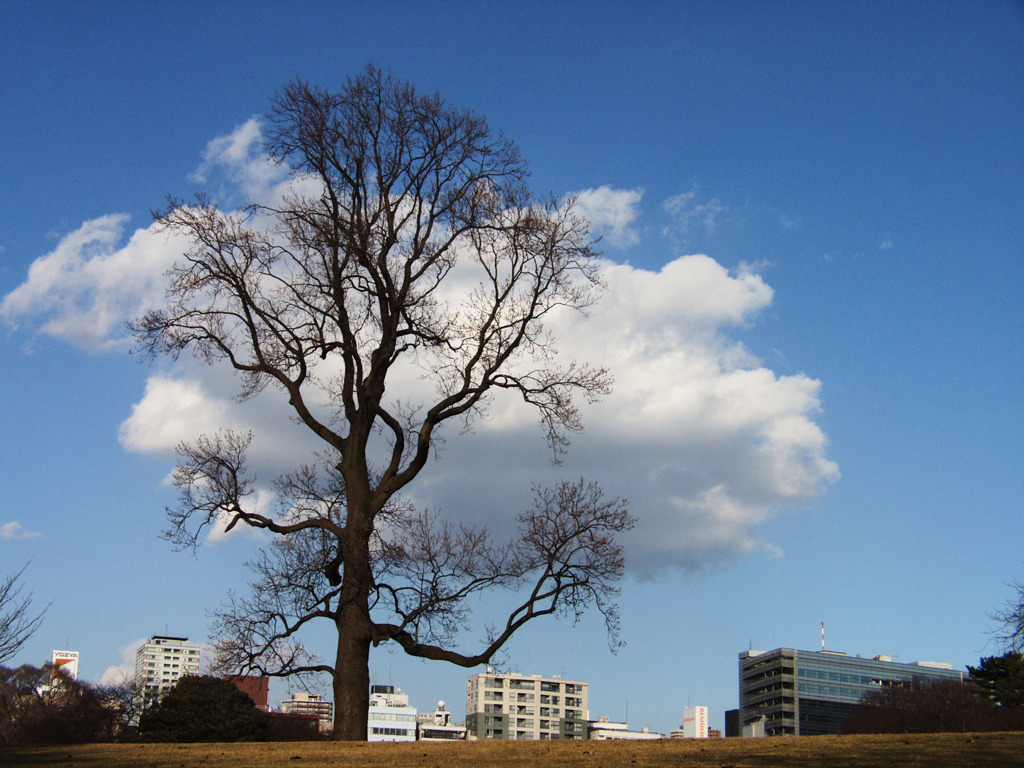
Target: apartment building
(531, 707)
(311, 704)
(161, 661)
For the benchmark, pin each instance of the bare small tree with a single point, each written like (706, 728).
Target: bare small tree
(17, 621)
(410, 240)
(1010, 620)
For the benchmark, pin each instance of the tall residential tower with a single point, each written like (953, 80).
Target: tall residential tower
(161, 662)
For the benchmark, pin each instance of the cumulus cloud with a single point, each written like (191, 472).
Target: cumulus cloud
(85, 289)
(14, 531)
(701, 436)
(238, 166)
(125, 670)
(612, 213)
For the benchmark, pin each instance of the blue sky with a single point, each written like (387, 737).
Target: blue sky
(819, 421)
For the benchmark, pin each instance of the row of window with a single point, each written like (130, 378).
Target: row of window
(498, 733)
(529, 685)
(392, 732)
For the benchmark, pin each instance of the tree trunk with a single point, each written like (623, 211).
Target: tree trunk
(355, 631)
(351, 676)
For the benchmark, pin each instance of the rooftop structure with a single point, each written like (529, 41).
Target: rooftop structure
(66, 662)
(438, 726)
(605, 729)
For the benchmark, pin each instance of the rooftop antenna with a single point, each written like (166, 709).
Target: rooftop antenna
(823, 635)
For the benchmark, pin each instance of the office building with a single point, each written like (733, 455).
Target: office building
(791, 692)
(525, 707)
(161, 661)
(390, 718)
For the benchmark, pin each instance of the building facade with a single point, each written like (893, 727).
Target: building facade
(695, 724)
(256, 687)
(390, 718)
(528, 707)
(606, 729)
(791, 692)
(310, 704)
(161, 661)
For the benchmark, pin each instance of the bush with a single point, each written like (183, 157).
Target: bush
(204, 709)
(941, 707)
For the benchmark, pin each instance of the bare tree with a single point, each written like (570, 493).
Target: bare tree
(1010, 620)
(399, 199)
(17, 621)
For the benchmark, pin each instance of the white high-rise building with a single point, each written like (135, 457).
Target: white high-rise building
(695, 723)
(161, 662)
(390, 717)
(525, 707)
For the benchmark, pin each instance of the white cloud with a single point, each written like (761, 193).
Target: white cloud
(237, 163)
(91, 283)
(703, 438)
(120, 673)
(14, 531)
(612, 213)
(173, 410)
(690, 215)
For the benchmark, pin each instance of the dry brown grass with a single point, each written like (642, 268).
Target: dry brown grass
(955, 750)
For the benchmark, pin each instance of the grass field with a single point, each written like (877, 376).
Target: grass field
(967, 750)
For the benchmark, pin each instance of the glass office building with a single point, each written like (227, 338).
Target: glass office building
(813, 692)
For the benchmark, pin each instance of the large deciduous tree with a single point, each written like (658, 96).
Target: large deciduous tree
(408, 242)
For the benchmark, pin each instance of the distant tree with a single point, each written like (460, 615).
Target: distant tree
(947, 706)
(42, 706)
(203, 709)
(1010, 620)
(409, 246)
(126, 698)
(17, 621)
(1002, 679)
